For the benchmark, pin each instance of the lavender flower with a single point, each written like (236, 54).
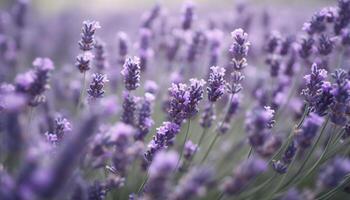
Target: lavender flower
(88, 35)
(61, 127)
(308, 131)
(162, 139)
(243, 174)
(239, 49)
(190, 149)
(145, 121)
(216, 83)
(158, 184)
(131, 73)
(345, 37)
(188, 15)
(325, 45)
(195, 96)
(281, 166)
(83, 62)
(179, 101)
(35, 83)
(340, 91)
(273, 42)
(149, 17)
(97, 191)
(314, 82)
(193, 185)
(100, 56)
(208, 116)
(96, 87)
(343, 16)
(129, 109)
(306, 47)
(144, 48)
(123, 47)
(334, 172)
(195, 46)
(214, 37)
(151, 87)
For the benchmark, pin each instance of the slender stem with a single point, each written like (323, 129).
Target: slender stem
(250, 152)
(202, 136)
(143, 184)
(334, 190)
(184, 143)
(220, 196)
(318, 161)
(81, 96)
(210, 147)
(308, 156)
(255, 189)
(290, 136)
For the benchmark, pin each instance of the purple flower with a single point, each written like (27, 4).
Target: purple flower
(314, 82)
(340, 91)
(196, 92)
(196, 46)
(345, 37)
(151, 87)
(325, 45)
(96, 86)
(308, 131)
(216, 83)
(208, 116)
(306, 47)
(84, 61)
(343, 16)
(190, 149)
(292, 194)
(162, 139)
(123, 47)
(273, 42)
(129, 109)
(158, 184)
(144, 47)
(279, 166)
(149, 17)
(317, 24)
(193, 184)
(289, 153)
(88, 35)
(239, 49)
(334, 172)
(131, 73)
(61, 127)
(35, 83)
(215, 38)
(100, 56)
(144, 121)
(179, 101)
(243, 174)
(188, 15)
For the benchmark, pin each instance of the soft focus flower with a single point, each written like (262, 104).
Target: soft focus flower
(131, 73)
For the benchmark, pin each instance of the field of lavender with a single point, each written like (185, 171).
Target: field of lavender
(250, 102)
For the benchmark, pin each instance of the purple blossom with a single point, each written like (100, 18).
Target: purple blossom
(325, 45)
(87, 41)
(100, 56)
(129, 109)
(216, 83)
(179, 102)
(193, 184)
(131, 73)
(243, 174)
(340, 91)
(196, 92)
(144, 121)
(208, 116)
(83, 61)
(96, 86)
(306, 47)
(123, 47)
(144, 47)
(334, 172)
(190, 149)
(305, 136)
(158, 184)
(314, 82)
(163, 138)
(188, 15)
(240, 46)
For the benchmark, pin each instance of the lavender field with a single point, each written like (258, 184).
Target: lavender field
(174, 100)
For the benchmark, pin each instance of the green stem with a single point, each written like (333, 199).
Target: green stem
(210, 147)
(330, 193)
(143, 184)
(255, 189)
(290, 181)
(184, 142)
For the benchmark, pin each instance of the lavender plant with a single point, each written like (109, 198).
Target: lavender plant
(276, 128)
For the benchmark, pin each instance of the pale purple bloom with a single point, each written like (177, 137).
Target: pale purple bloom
(305, 136)
(96, 88)
(216, 83)
(334, 172)
(131, 73)
(88, 35)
